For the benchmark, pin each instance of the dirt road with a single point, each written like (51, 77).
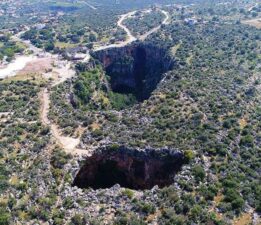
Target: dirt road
(130, 37)
(155, 29)
(69, 144)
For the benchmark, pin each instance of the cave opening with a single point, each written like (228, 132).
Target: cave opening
(132, 169)
(135, 69)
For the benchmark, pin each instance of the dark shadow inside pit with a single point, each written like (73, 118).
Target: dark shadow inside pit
(136, 68)
(130, 168)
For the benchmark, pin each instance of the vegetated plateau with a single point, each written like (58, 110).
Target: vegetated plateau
(164, 130)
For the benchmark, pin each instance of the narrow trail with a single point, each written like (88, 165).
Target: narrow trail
(167, 17)
(155, 29)
(91, 6)
(130, 37)
(88, 4)
(31, 47)
(65, 72)
(68, 144)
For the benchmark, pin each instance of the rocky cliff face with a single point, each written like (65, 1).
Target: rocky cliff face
(136, 68)
(130, 168)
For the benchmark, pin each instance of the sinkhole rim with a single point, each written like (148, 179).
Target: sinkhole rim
(150, 63)
(132, 169)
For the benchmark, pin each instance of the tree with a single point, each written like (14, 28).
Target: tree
(195, 212)
(82, 91)
(238, 203)
(49, 46)
(92, 37)
(234, 198)
(247, 140)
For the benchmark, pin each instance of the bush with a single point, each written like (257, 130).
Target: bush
(114, 147)
(238, 203)
(247, 140)
(189, 155)
(199, 173)
(146, 207)
(129, 193)
(234, 198)
(169, 217)
(59, 158)
(58, 221)
(77, 220)
(68, 203)
(126, 220)
(4, 217)
(170, 194)
(195, 212)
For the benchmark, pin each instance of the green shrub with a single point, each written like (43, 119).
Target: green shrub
(199, 173)
(4, 217)
(189, 155)
(247, 140)
(129, 193)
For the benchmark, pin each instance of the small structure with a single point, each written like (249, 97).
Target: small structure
(40, 26)
(79, 56)
(191, 21)
(77, 53)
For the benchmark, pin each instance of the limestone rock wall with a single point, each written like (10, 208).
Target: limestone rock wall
(130, 168)
(136, 68)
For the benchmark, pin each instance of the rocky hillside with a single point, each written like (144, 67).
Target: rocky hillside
(206, 104)
(172, 127)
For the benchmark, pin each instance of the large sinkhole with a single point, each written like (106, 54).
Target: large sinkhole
(136, 68)
(129, 168)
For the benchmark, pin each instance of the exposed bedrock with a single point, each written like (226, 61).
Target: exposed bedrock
(136, 68)
(130, 168)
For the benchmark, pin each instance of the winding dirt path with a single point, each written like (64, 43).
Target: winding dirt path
(64, 71)
(90, 5)
(130, 37)
(31, 47)
(155, 29)
(69, 144)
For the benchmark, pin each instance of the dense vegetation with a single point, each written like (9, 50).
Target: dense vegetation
(209, 104)
(22, 144)
(8, 48)
(208, 107)
(141, 23)
(74, 23)
(59, 40)
(93, 88)
(91, 92)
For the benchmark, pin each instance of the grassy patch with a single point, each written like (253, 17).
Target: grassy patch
(34, 78)
(255, 23)
(59, 44)
(175, 48)
(244, 219)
